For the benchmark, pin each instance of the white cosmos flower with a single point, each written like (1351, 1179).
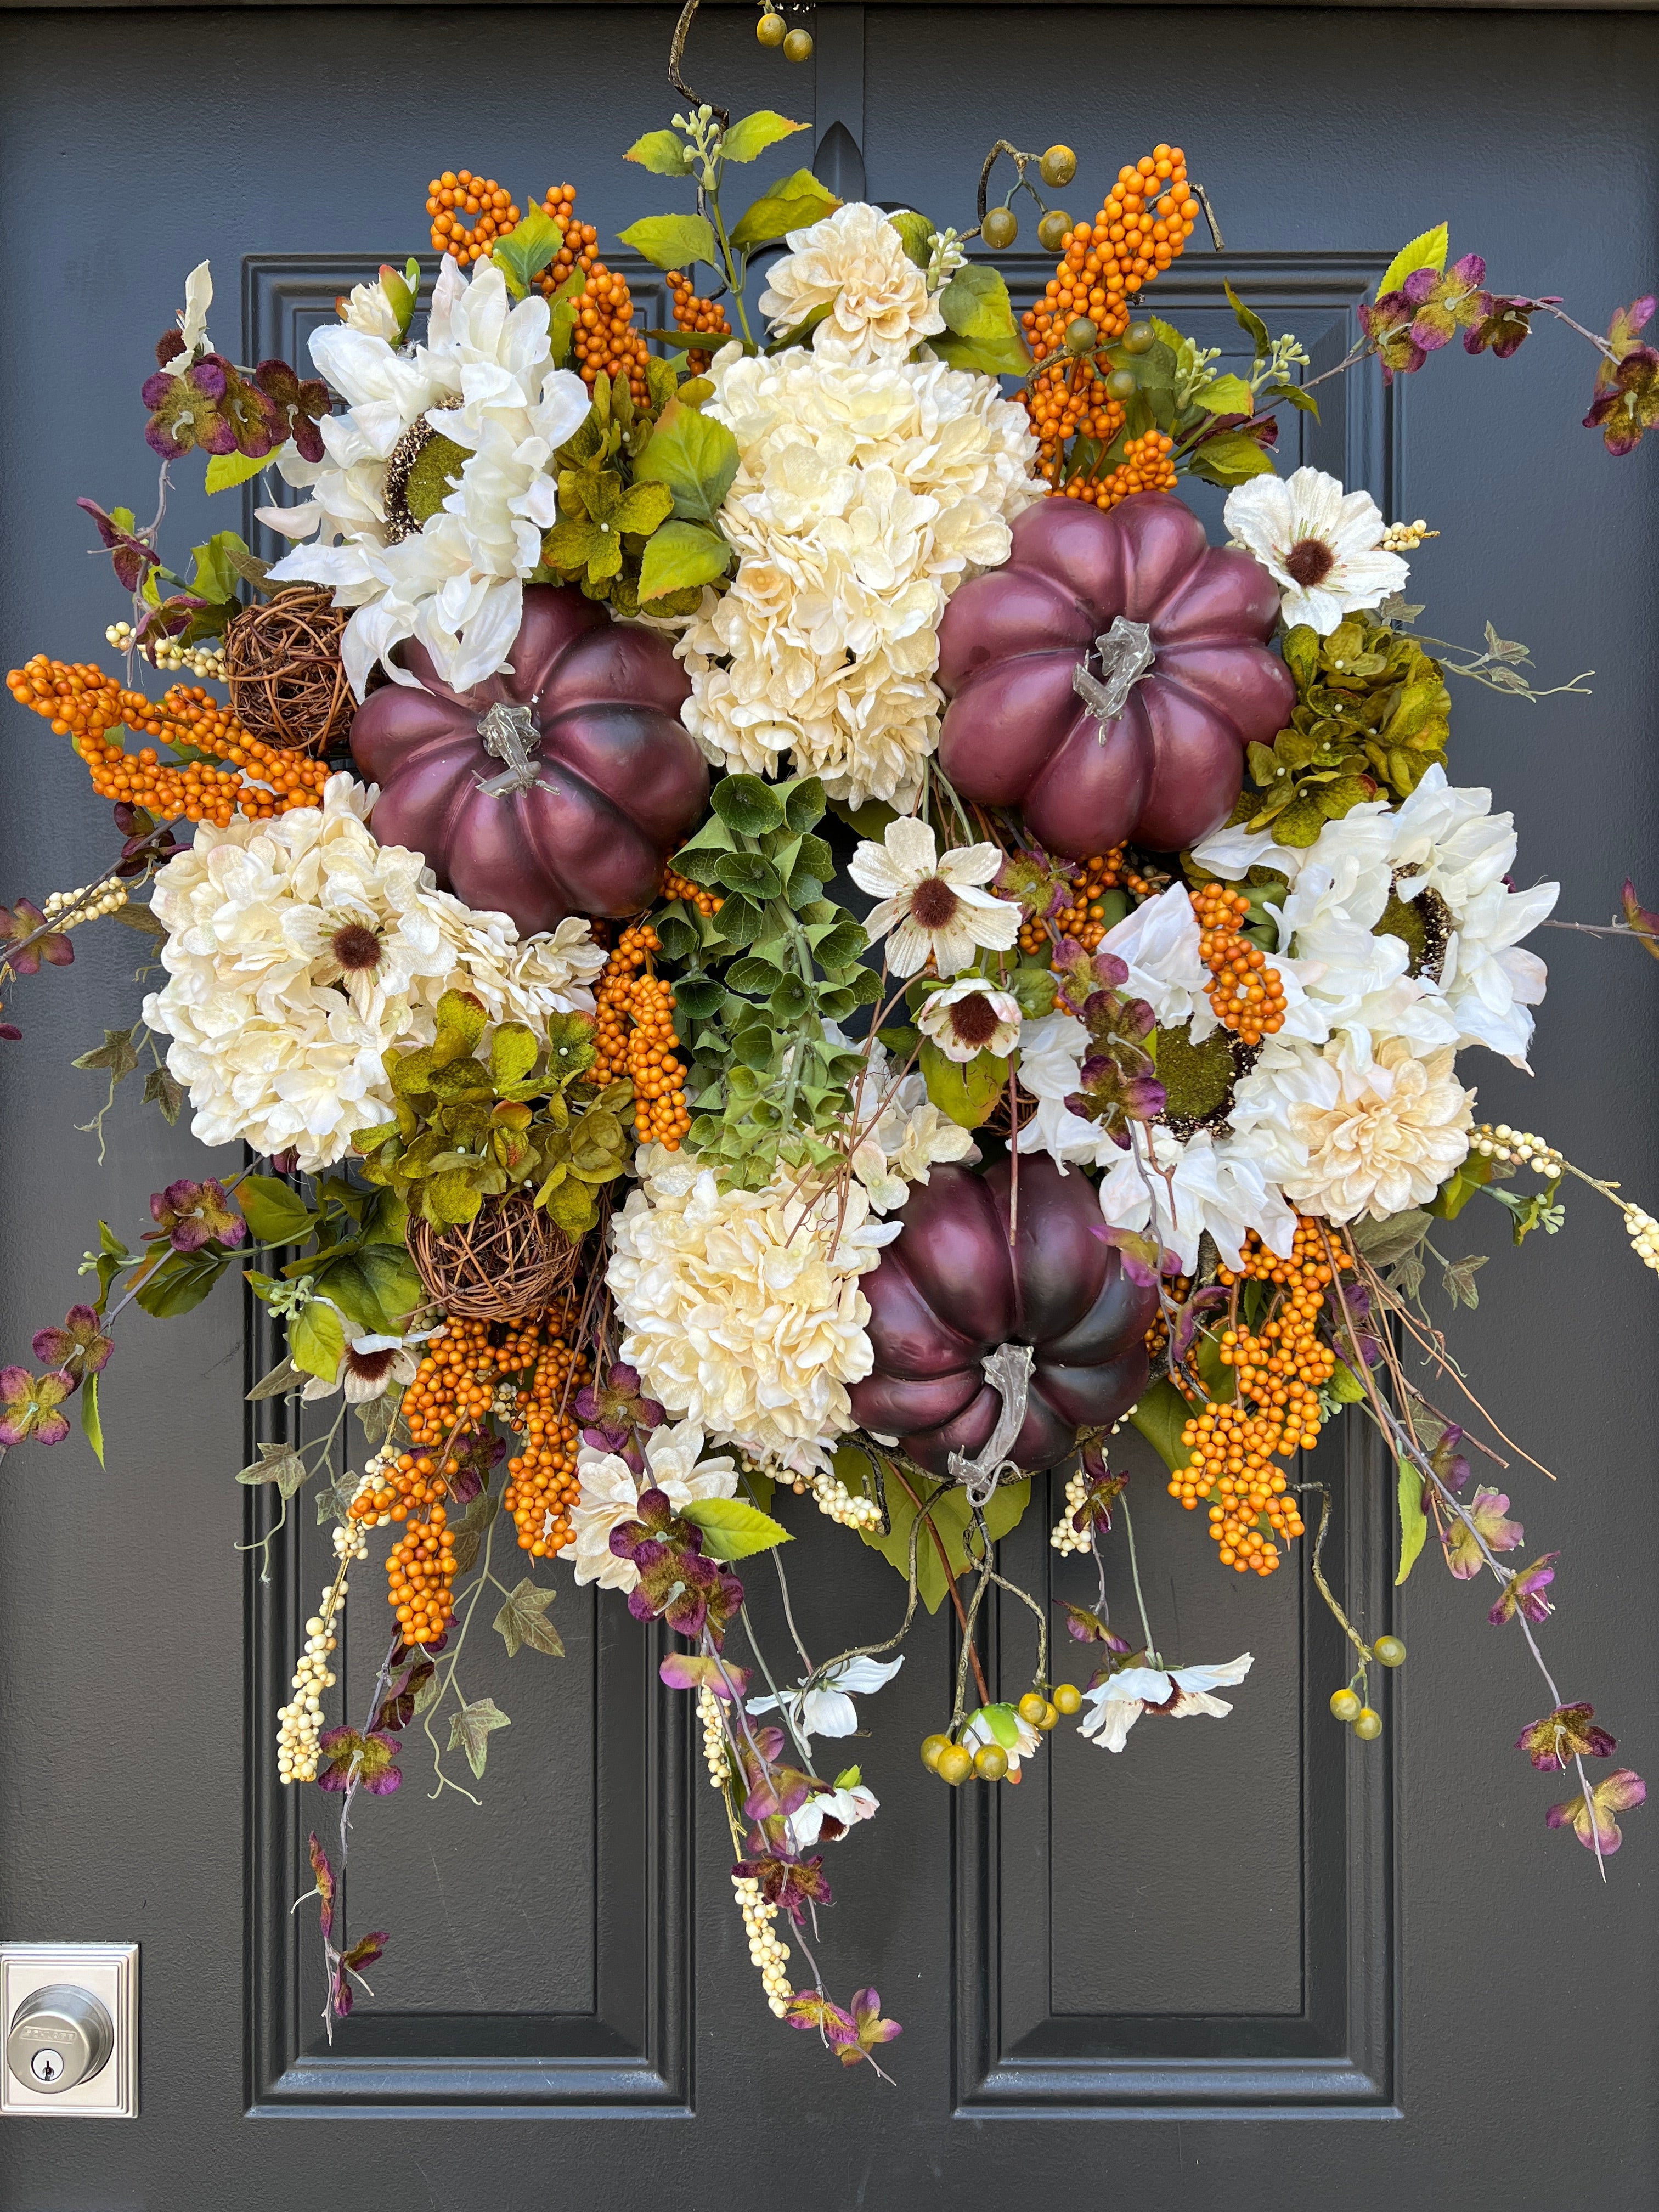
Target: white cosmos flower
(854, 263)
(828, 1708)
(484, 379)
(1217, 1184)
(368, 1366)
(966, 1018)
(900, 1133)
(1323, 546)
(1177, 1692)
(610, 1493)
(1027, 1739)
(931, 905)
(848, 1806)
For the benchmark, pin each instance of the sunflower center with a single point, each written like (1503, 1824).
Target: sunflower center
(974, 1020)
(1423, 925)
(424, 468)
(933, 903)
(1308, 562)
(1200, 1080)
(357, 947)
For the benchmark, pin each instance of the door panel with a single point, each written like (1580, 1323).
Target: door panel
(1161, 1957)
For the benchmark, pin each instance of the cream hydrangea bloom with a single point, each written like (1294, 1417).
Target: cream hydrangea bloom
(741, 1309)
(900, 1134)
(863, 497)
(1387, 1149)
(610, 1497)
(298, 950)
(853, 263)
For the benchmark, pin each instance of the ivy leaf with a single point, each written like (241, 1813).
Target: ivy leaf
(672, 241)
(733, 1530)
(792, 204)
(1413, 1522)
(283, 1377)
(1385, 1243)
(470, 1731)
(164, 1089)
(694, 456)
(523, 254)
(681, 556)
(1459, 1280)
(662, 153)
(750, 135)
(519, 1621)
(278, 1463)
(276, 1213)
(1428, 251)
(116, 1054)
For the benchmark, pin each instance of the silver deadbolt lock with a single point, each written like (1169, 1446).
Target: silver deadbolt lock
(59, 2037)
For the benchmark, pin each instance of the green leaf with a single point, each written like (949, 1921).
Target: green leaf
(523, 254)
(792, 204)
(278, 1463)
(672, 241)
(216, 573)
(470, 1731)
(1232, 457)
(803, 802)
(733, 1530)
(514, 1052)
(750, 135)
(163, 1089)
(470, 1527)
(694, 456)
(226, 469)
(967, 1091)
(1228, 395)
(182, 1280)
(1345, 1385)
(115, 1055)
(980, 316)
(746, 805)
(316, 1339)
(1302, 401)
(520, 1621)
(1413, 1522)
(917, 233)
(276, 1214)
(950, 1514)
(92, 1426)
(662, 153)
(680, 557)
(1250, 323)
(1455, 1193)
(1426, 251)
(1160, 1417)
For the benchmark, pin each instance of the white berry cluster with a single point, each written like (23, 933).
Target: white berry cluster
(713, 1737)
(1519, 1147)
(370, 1480)
(1064, 1537)
(766, 1953)
(91, 900)
(168, 656)
(831, 1496)
(1407, 536)
(1643, 1237)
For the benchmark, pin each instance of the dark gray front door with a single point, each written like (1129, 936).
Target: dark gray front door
(1259, 1965)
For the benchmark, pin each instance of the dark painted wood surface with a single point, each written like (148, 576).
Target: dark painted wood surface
(1242, 1966)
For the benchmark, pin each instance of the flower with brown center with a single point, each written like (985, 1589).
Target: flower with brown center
(1322, 545)
(931, 904)
(971, 1016)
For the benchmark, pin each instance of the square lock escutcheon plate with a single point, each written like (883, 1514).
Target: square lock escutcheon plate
(107, 1973)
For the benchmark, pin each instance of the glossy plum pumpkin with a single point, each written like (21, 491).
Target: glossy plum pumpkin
(1107, 680)
(559, 789)
(954, 1285)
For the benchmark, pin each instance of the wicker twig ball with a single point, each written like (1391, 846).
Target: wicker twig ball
(288, 686)
(508, 1260)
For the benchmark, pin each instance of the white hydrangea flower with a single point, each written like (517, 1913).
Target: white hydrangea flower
(741, 1309)
(1206, 1182)
(610, 1493)
(863, 496)
(853, 263)
(484, 380)
(900, 1134)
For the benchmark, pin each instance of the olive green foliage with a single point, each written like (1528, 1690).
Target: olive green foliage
(468, 1129)
(1371, 719)
(757, 982)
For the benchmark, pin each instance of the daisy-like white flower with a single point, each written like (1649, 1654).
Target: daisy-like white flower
(966, 1018)
(931, 905)
(1387, 1149)
(1206, 1182)
(848, 1806)
(1027, 1739)
(1323, 546)
(369, 1365)
(854, 263)
(1177, 1692)
(828, 1708)
(610, 1491)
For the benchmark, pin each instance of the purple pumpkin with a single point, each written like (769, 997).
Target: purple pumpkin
(1139, 595)
(954, 1285)
(561, 788)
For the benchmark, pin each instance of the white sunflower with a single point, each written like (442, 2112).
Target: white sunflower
(1323, 546)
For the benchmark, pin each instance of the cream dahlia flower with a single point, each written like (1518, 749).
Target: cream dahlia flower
(863, 497)
(853, 263)
(610, 1495)
(1390, 1149)
(931, 906)
(1321, 546)
(484, 379)
(741, 1309)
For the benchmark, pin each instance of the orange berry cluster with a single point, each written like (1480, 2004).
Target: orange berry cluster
(1247, 994)
(706, 317)
(1146, 221)
(1083, 916)
(1145, 466)
(1277, 1373)
(457, 196)
(81, 701)
(695, 895)
(635, 1034)
(419, 1568)
(1176, 1288)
